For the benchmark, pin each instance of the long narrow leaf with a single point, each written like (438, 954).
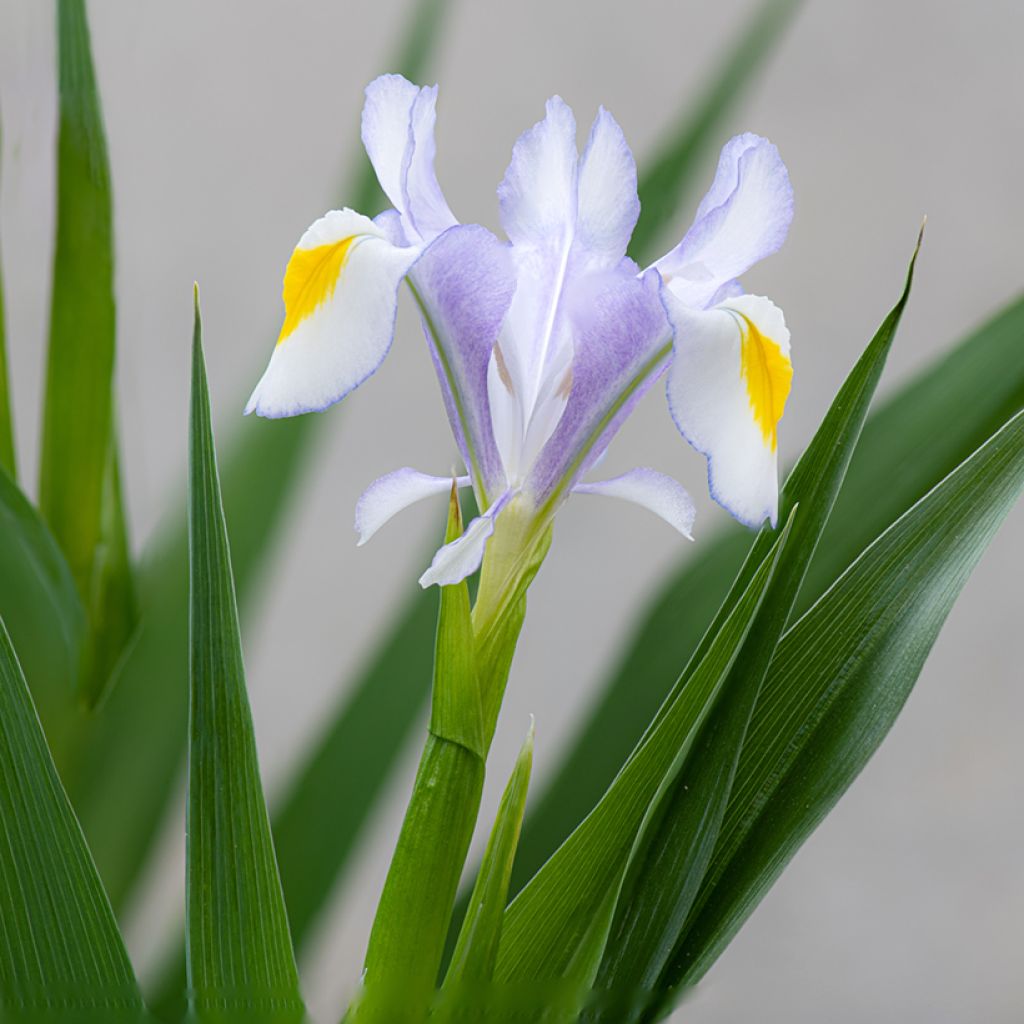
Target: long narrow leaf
(240, 960)
(476, 952)
(664, 184)
(76, 489)
(8, 460)
(411, 924)
(907, 446)
(129, 758)
(839, 679)
(40, 603)
(546, 923)
(61, 955)
(666, 870)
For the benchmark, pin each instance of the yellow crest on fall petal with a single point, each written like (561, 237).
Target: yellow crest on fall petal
(310, 280)
(768, 374)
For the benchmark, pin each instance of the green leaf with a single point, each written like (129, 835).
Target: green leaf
(677, 843)
(476, 952)
(546, 923)
(240, 960)
(838, 681)
(907, 446)
(409, 931)
(76, 488)
(40, 603)
(61, 955)
(8, 460)
(128, 759)
(664, 184)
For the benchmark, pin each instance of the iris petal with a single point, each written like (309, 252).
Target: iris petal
(390, 494)
(727, 390)
(658, 493)
(744, 217)
(340, 295)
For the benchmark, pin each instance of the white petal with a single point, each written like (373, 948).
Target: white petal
(655, 491)
(398, 135)
(538, 192)
(462, 557)
(608, 202)
(743, 218)
(727, 389)
(341, 296)
(389, 494)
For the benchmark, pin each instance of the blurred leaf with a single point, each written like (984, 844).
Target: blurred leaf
(240, 960)
(547, 922)
(61, 955)
(39, 601)
(676, 845)
(839, 679)
(907, 446)
(129, 758)
(476, 952)
(8, 460)
(75, 486)
(668, 176)
(411, 924)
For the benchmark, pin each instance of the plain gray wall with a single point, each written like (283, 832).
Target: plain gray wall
(229, 126)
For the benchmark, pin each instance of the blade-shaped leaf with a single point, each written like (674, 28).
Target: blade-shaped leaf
(40, 603)
(77, 479)
(546, 923)
(61, 955)
(239, 953)
(8, 461)
(476, 952)
(666, 179)
(838, 681)
(677, 843)
(411, 924)
(128, 758)
(907, 446)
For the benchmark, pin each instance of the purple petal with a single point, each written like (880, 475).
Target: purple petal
(622, 343)
(464, 283)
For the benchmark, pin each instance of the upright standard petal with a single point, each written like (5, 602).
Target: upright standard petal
(398, 135)
(744, 218)
(390, 494)
(530, 372)
(623, 342)
(464, 284)
(727, 390)
(538, 192)
(660, 494)
(340, 298)
(608, 201)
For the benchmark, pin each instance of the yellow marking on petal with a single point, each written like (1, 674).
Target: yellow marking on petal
(502, 366)
(769, 374)
(310, 280)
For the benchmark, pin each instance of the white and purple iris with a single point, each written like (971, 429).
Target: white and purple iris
(544, 344)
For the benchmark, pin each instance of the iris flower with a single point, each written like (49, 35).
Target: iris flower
(544, 344)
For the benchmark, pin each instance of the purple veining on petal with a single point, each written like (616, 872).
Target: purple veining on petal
(619, 328)
(465, 281)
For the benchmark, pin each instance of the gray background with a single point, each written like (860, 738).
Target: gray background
(229, 126)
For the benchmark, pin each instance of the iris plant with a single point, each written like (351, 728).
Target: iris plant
(544, 344)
